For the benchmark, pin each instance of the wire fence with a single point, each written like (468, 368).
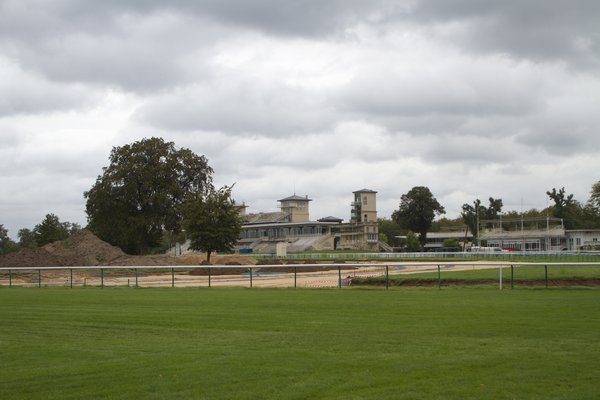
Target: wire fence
(394, 274)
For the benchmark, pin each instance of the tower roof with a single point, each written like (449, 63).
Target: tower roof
(296, 198)
(365, 191)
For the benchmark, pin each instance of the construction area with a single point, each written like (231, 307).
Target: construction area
(84, 259)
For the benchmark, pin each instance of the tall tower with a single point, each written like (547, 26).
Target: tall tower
(295, 208)
(364, 206)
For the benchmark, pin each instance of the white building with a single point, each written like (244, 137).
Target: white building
(583, 239)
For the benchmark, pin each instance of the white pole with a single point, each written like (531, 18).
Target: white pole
(501, 277)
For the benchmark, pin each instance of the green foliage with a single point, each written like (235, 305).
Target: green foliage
(594, 200)
(565, 207)
(417, 211)
(574, 214)
(470, 213)
(26, 238)
(442, 223)
(383, 238)
(451, 242)
(390, 229)
(7, 245)
(50, 230)
(527, 214)
(213, 222)
(412, 242)
(142, 191)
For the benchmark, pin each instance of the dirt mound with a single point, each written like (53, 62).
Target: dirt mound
(84, 248)
(188, 259)
(37, 257)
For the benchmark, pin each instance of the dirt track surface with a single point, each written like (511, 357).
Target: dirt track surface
(84, 249)
(315, 277)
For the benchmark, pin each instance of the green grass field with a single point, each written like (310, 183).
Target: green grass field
(120, 343)
(526, 275)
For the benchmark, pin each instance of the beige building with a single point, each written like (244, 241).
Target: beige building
(362, 232)
(364, 206)
(295, 208)
(292, 225)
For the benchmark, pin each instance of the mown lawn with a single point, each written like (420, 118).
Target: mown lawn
(520, 275)
(121, 343)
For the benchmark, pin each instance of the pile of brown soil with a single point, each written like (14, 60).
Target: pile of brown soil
(86, 249)
(83, 248)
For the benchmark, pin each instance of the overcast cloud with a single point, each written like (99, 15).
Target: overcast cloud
(472, 99)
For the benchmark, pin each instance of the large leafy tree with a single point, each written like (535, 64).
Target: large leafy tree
(50, 230)
(412, 242)
(6, 243)
(26, 238)
(567, 208)
(140, 194)
(591, 210)
(213, 222)
(417, 210)
(390, 229)
(562, 202)
(470, 212)
(594, 200)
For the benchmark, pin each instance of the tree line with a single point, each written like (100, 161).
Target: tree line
(47, 231)
(418, 208)
(150, 191)
(153, 193)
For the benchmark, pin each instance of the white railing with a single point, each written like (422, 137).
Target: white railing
(280, 275)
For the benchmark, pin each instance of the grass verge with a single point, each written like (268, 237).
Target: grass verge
(527, 275)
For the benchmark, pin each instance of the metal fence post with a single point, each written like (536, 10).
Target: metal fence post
(71, 278)
(512, 277)
(387, 276)
(439, 280)
(250, 278)
(9, 278)
(136, 277)
(500, 284)
(339, 277)
(172, 277)
(546, 275)
(209, 276)
(39, 278)
(295, 276)
(102, 277)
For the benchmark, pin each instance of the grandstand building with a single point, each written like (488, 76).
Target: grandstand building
(291, 227)
(525, 234)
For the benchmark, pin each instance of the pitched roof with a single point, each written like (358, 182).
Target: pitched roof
(295, 197)
(330, 219)
(365, 191)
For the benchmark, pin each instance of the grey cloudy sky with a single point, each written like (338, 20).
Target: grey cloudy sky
(468, 97)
